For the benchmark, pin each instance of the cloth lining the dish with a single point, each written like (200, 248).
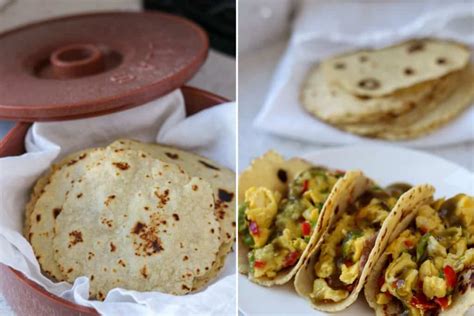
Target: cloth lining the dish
(210, 133)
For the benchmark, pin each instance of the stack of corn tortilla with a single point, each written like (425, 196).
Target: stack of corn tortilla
(138, 216)
(398, 92)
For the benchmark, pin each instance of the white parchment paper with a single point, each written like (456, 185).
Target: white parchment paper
(210, 133)
(325, 28)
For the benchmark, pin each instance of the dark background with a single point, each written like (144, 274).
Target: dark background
(217, 17)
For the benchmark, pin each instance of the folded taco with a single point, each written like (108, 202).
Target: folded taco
(334, 272)
(282, 214)
(428, 267)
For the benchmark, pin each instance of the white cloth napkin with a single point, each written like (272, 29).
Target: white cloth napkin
(325, 28)
(210, 133)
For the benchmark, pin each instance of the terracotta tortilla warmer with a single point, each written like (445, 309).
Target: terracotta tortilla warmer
(83, 66)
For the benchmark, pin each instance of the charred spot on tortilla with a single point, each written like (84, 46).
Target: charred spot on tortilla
(282, 175)
(194, 187)
(72, 162)
(185, 258)
(139, 226)
(112, 247)
(339, 65)
(409, 71)
(363, 97)
(441, 61)
(38, 217)
(75, 238)
(121, 165)
(79, 195)
(219, 207)
(144, 272)
(176, 216)
(172, 155)
(109, 199)
(417, 46)
(56, 212)
(149, 243)
(162, 197)
(363, 58)
(208, 165)
(225, 195)
(369, 84)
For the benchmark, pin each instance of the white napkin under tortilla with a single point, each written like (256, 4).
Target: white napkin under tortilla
(325, 28)
(210, 133)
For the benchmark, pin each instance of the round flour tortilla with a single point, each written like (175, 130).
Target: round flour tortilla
(47, 203)
(462, 301)
(273, 172)
(442, 113)
(335, 105)
(406, 206)
(221, 179)
(138, 223)
(381, 72)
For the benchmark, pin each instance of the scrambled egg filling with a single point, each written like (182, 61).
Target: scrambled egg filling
(340, 259)
(427, 257)
(262, 209)
(278, 230)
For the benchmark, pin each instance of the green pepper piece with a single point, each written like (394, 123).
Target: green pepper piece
(345, 243)
(251, 256)
(248, 239)
(242, 219)
(421, 247)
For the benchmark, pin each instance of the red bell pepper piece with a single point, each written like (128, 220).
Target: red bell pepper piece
(259, 264)
(305, 228)
(305, 186)
(450, 276)
(423, 230)
(420, 301)
(408, 243)
(442, 302)
(254, 228)
(291, 259)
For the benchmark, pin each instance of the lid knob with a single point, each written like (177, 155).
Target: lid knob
(77, 60)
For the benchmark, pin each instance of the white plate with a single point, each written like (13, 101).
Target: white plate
(384, 164)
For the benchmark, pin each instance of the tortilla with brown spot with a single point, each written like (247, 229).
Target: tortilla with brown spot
(406, 207)
(267, 171)
(128, 246)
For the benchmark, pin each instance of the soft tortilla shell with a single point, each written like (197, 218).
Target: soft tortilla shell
(333, 104)
(424, 59)
(263, 171)
(221, 179)
(270, 170)
(42, 182)
(443, 111)
(406, 205)
(461, 302)
(47, 201)
(143, 224)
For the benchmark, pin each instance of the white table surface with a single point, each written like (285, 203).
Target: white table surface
(255, 73)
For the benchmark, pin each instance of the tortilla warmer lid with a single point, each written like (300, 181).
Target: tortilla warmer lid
(88, 65)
